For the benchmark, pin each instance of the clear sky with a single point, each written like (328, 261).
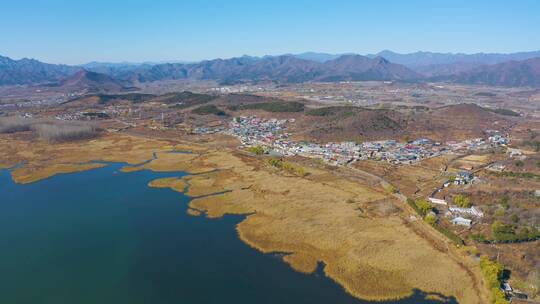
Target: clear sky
(75, 31)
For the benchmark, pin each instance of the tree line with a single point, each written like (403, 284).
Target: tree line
(49, 130)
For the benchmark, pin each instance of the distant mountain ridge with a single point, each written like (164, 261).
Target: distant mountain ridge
(31, 71)
(440, 64)
(509, 74)
(430, 65)
(319, 57)
(285, 68)
(418, 59)
(516, 69)
(357, 67)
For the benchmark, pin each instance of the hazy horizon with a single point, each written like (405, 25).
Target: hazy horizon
(256, 56)
(72, 32)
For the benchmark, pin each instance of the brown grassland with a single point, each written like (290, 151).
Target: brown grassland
(314, 219)
(416, 180)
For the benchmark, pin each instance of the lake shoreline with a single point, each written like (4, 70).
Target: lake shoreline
(224, 183)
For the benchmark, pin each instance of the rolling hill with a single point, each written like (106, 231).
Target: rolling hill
(454, 122)
(92, 82)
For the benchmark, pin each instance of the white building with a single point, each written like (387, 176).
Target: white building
(497, 167)
(462, 221)
(514, 152)
(437, 201)
(471, 211)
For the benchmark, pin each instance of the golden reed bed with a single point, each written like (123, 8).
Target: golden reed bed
(315, 219)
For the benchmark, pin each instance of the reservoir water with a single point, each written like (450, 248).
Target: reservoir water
(103, 236)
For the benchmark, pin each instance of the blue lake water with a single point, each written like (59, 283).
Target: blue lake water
(103, 236)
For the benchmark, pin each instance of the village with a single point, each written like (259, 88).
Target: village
(271, 134)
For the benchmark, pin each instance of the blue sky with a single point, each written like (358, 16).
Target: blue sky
(80, 31)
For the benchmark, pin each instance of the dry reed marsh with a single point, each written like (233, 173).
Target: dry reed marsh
(177, 184)
(314, 219)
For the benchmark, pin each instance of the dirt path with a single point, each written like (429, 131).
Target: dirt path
(435, 238)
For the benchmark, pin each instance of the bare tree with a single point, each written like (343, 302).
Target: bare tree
(12, 124)
(59, 132)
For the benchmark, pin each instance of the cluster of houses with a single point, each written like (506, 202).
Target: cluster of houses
(459, 216)
(207, 130)
(270, 133)
(386, 150)
(253, 131)
(498, 139)
(461, 178)
(83, 115)
(464, 178)
(477, 144)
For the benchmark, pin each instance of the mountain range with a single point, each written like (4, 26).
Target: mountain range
(418, 59)
(510, 73)
(286, 69)
(440, 64)
(30, 71)
(516, 69)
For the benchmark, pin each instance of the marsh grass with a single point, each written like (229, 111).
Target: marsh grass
(376, 258)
